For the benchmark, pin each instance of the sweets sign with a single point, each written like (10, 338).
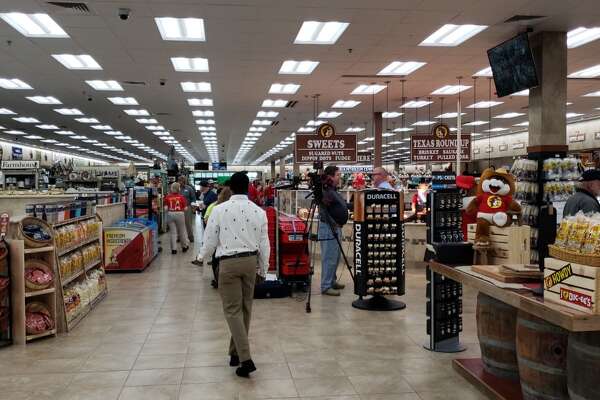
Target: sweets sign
(326, 146)
(439, 146)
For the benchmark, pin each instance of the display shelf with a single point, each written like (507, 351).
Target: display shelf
(40, 292)
(71, 278)
(78, 246)
(37, 250)
(92, 265)
(72, 220)
(99, 298)
(71, 324)
(40, 335)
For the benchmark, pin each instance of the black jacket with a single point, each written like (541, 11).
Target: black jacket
(333, 206)
(582, 200)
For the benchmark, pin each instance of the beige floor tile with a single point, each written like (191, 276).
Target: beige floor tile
(435, 382)
(380, 384)
(331, 386)
(316, 369)
(266, 389)
(160, 361)
(210, 391)
(159, 392)
(109, 363)
(208, 375)
(206, 360)
(89, 393)
(99, 379)
(149, 377)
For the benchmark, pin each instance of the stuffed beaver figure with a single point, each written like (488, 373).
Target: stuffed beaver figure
(494, 204)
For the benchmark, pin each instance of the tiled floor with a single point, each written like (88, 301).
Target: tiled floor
(161, 335)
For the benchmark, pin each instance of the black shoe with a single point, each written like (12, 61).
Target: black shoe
(234, 361)
(215, 285)
(184, 249)
(173, 251)
(246, 368)
(192, 240)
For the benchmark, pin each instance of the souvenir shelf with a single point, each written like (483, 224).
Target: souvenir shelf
(5, 298)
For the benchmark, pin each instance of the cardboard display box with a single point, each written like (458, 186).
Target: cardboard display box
(510, 245)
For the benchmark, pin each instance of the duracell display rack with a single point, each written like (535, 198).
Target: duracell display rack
(379, 249)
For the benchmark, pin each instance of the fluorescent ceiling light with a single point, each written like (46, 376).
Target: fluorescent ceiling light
(105, 85)
(355, 129)
(590, 72)
(15, 132)
(452, 35)
(329, 114)
(257, 129)
(305, 129)
(113, 133)
(392, 114)
(184, 64)
(292, 67)
(155, 127)
(450, 89)
(26, 120)
(315, 32)
(497, 130)
(14, 84)
(44, 99)
(573, 115)
(569, 103)
(87, 120)
(593, 94)
(147, 121)
(279, 103)
(387, 134)
(161, 133)
(102, 127)
(267, 114)
(49, 141)
(486, 72)
(200, 102)
(345, 104)
(123, 101)
(449, 115)
(181, 29)
(403, 129)
(284, 88)
(34, 25)
(401, 68)
(89, 141)
(203, 113)
(65, 133)
(416, 104)
(261, 122)
(509, 115)
(368, 89)
(580, 36)
(476, 123)
(254, 134)
(79, 137)
(315, 123)
(77, 62)
(198, 87)
(526, 123)
(485, 104)
(205, 121)
(137, 113)
(33, 137)
(6, 111)
(68, 111)
(423, 123)
(47, 127)
(521, 93)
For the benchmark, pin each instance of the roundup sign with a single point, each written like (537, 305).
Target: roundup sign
(439, 146)
(326, 146)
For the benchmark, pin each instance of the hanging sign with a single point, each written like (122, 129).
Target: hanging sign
(439, 146)
(364, 157)
(326, 146)
(503, 147)
(580, 137)
(17, 153)
(20, 164)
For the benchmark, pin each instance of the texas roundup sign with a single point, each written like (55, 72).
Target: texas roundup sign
(439, 146)
(326, 146)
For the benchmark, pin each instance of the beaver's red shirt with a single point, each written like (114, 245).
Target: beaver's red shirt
(493, 203)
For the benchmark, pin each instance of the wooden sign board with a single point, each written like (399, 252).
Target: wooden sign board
(439, 146)
(326, 146)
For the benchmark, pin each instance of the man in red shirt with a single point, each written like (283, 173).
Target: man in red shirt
(176, 205)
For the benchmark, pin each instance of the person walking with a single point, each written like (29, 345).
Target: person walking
(175, 205)
(208, 196)
(224, 195)
(190, 195)
(237, 232)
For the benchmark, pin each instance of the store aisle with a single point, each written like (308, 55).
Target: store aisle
(161, 335)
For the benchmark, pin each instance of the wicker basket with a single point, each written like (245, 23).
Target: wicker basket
(38, 264)
(38, 308)
(29, 242)
(574, 257)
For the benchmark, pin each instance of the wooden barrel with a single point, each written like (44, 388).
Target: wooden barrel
(542, 356)
(496, 329)
(583, 365)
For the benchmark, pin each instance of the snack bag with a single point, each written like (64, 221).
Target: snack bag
(578, 232)
(592, 238)
(563, 232)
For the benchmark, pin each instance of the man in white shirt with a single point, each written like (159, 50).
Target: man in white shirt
(380, 179)
(237, 230)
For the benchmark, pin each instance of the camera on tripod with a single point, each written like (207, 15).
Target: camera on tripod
(316, 184)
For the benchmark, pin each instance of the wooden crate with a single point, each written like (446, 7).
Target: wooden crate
(510, 245)
(579, 291)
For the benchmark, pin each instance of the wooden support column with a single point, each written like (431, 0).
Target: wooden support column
(378, 123)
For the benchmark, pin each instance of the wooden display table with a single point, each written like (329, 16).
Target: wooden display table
(524, 301)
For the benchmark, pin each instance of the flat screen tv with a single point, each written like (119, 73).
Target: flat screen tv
(513, 66)
(201, 166)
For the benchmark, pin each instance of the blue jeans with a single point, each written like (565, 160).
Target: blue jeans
(330, 255)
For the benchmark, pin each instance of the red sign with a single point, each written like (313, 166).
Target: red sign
(326, 146)
(571, 296)
(429, 148)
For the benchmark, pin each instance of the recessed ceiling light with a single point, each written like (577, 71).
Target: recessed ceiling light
(205, 122)
(368, 89)
(279, 103)
(509, 115)
(87, 120)
(497, 130)
(315, 123)
(486, 72)
(147, 121)
(476, 123)
(47, 126)
(89, 141)
(416, 104)
(113, 133)
(329, 114)
(44, 99)
(14, 84)
(137, 113)
(6, 111)
(181, 29)
(423, 123)
(292, 67)
(449, 115)
(105, 85)
(345, 104)
(355, 129)
(261, 122)
(15, 132)
(34, 25)
(77, 62)
(161, 133)
(184, 64)
(102, 127)
(65, 133)
(155, 127)
(593, 94)
(68, 111)
(526, 123)
(200, 102)
(199, 87)
(590, 72)
(315, 32)
(573, 115)
(403, 130)
(451, 35)
(34, 137)
(49, 141)
(26, 120)
(580, 36)
(401, 68)
(123, 101)
(203, 113)
(450, 89)
(524, 92)
(392, 114)
(569, 103)
(79, 137)
(267, 114)
(284, 88)
(257, 129)
(485, 104)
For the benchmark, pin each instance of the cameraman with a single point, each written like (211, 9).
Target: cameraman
(333, 214)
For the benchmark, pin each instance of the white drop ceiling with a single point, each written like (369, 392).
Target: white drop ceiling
(246, 44)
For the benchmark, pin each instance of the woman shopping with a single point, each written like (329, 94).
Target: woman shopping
(176, 205)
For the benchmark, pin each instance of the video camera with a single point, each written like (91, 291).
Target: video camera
(316, 184)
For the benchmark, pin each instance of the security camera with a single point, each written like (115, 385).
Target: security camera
(90, 99)
(124, 13)
(162, 82)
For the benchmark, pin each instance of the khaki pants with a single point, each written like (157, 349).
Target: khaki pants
(176, 222)
(189, 223)
(236, 286)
